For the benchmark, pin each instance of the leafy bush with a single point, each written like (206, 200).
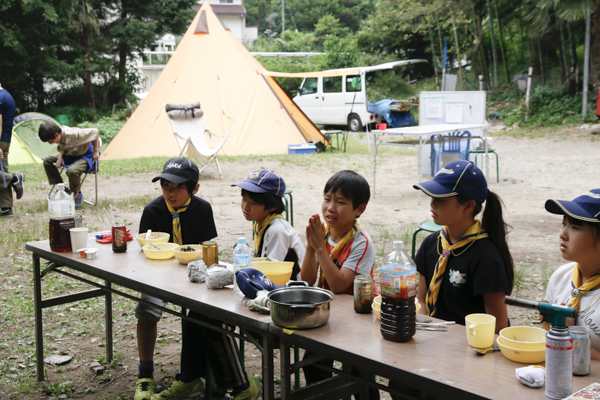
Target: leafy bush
(108, 126)
(547, 107)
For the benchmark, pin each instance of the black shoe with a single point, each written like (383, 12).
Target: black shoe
(7, 212)
(18, 180)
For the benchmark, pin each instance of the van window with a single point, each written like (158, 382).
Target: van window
(353, 83)
(332, 84)
(310, 86)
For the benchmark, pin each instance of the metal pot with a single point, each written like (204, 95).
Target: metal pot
(299, 306)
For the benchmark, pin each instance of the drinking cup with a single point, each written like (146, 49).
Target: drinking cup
(78, 238)
(480, 330)
(382, 126)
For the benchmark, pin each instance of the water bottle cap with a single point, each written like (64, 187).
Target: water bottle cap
(241, 240)
(60, 186)
(398, 245)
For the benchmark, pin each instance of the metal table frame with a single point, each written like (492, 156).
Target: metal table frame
(58, 262)
(420, 136)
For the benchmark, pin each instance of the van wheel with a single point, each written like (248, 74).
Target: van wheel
(354, 123)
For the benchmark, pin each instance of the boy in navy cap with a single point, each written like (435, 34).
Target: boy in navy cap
(274, 237)
(189, 220)
(576, 283)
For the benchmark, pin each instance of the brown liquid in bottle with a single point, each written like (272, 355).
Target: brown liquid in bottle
(398, 318)
(60, 237)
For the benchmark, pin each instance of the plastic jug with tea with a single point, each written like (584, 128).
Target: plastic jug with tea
(398, 282)
(61, 204)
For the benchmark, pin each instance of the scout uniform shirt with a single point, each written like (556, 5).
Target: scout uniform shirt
(75, 142)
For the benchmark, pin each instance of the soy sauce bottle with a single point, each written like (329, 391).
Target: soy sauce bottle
(398, 291)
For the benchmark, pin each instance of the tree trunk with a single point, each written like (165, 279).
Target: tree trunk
(534, 60)
(596, 44)
(478, 38)
(38, 84)
(563, 51)
(84, 38)
(457, 44)
(122, 57)
(502, 49)
(493, 39)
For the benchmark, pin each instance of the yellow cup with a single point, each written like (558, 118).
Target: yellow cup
(480, 330)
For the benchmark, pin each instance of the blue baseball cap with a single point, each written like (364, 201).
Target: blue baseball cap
(251, 280)
(457, 178)
(263, 181)
(585, 207)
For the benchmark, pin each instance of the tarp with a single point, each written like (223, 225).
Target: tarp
(212, 67)
(344, 71)
(394, 119)
(26, 146)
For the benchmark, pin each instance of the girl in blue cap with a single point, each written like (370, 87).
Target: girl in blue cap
(466, 267)
(577, 283)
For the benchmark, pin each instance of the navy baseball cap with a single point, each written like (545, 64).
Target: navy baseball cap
(457, 178)
(251, 280)
(263, 181)
(585, 207)
(179, 170)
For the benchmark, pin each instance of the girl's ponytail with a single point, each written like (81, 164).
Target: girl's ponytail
(493, 223)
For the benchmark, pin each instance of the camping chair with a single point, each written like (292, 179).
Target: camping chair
(92, 170)
(187, 121)
(448, 147)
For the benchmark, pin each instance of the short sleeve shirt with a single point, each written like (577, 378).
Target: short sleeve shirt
(358, 257)
(469, 275)
(559, 292)
(282, 243)
(197, 222)
(76, 141)
(7, 107)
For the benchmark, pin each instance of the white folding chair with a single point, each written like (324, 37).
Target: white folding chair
(187, 121)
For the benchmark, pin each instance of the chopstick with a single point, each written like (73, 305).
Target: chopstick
(108, 216)
(444, 324)
(439, 329)
(113, 215)
(157, 248)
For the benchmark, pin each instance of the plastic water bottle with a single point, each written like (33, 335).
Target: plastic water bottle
(61, 204)
(398, 281)
(242, 258)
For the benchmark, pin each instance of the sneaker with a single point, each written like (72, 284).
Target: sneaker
(252, 392)
(179, 390)
(144, 389)
(79, 200)
(18, 180)
(6, 212)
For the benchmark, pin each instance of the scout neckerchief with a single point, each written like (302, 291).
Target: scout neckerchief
(176, 222)
(259, 233)
(339, 248)
(579, 289)
(475, 232)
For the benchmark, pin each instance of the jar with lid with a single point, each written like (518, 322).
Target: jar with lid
(363, 294)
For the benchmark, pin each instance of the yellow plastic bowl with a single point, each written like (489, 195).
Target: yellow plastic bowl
(157, 237)
(520, 355)
(185, 257)
(278, 272)
(376, 306)
(524, 337)
(165, 252)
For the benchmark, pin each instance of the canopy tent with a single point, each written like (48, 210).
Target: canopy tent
(212, 67)
(26, 146)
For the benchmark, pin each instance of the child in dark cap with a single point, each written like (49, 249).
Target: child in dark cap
(577, 283)
(466, 267)
(274, 237)
(189, 220)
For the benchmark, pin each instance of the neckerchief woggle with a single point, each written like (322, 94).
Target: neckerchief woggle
(176, 221)
(339, 248)
(259, 233)
(475, 232)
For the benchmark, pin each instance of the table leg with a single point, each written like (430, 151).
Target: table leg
(285, 367)
(39, 337)
(108, 322)
(374, 161)
(267, 365)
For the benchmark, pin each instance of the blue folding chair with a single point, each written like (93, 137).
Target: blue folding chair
(449, 144)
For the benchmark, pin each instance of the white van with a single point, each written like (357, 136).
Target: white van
(338, 96)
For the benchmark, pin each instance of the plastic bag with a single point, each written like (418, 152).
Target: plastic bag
(217, 276)
(197, 271)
